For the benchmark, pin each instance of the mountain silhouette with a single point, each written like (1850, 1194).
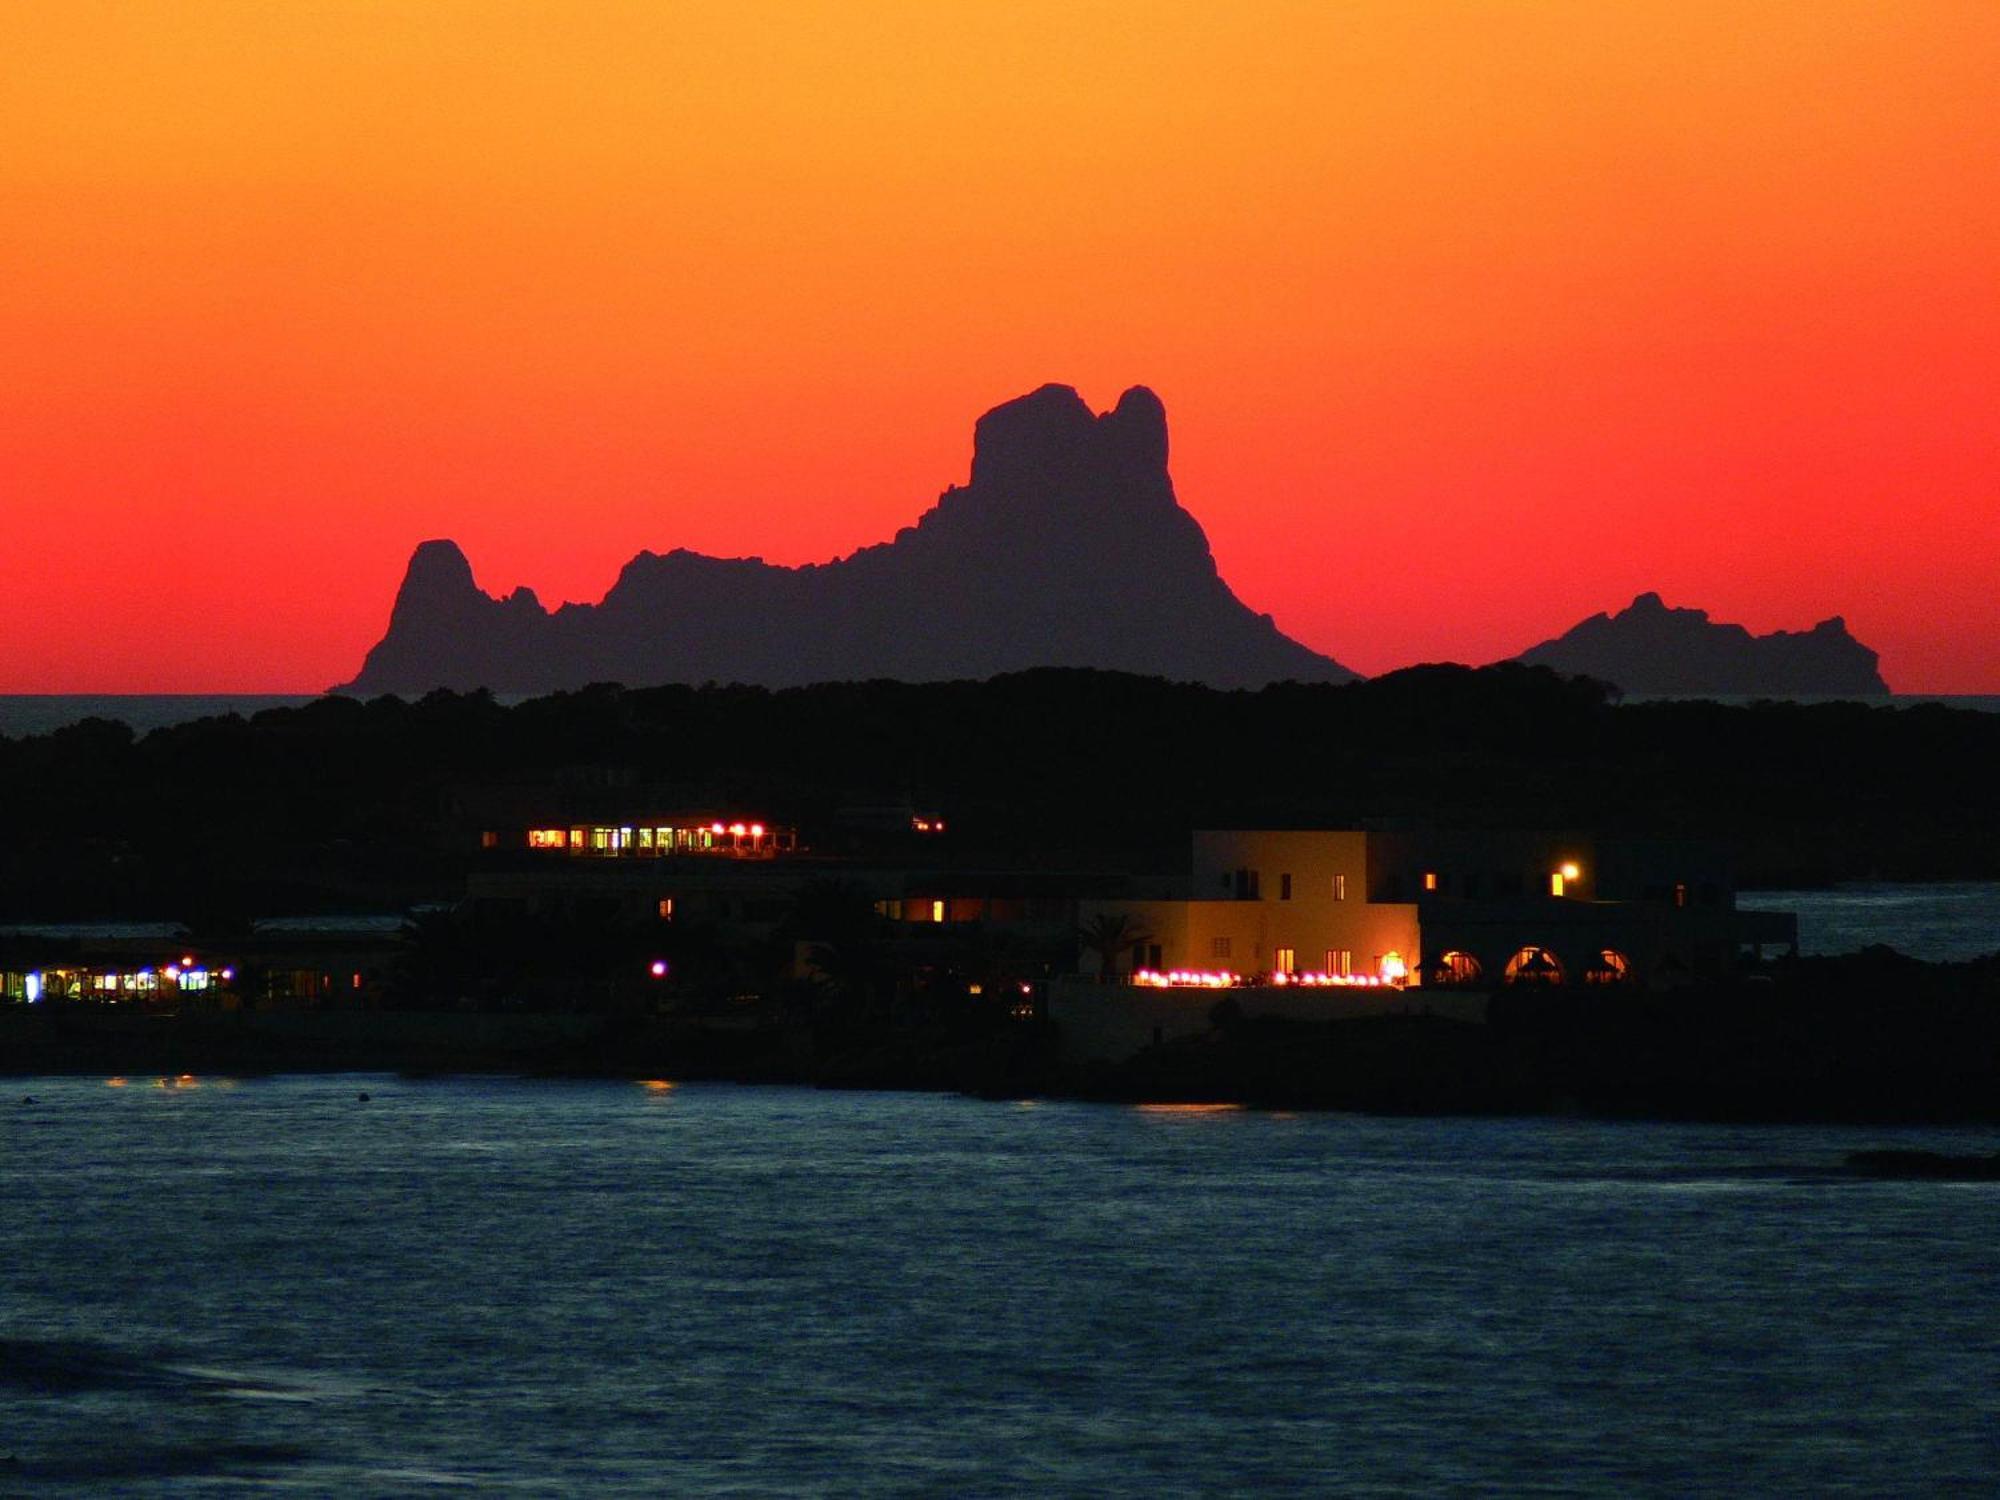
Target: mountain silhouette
(1650, 649)
(1067, 548)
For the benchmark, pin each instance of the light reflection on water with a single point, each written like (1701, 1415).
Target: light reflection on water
(566, 1287)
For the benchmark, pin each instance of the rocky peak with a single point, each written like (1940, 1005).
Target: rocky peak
(438, 568)
(1049, 441)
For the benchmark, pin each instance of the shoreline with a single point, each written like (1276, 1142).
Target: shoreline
(1549, 1061)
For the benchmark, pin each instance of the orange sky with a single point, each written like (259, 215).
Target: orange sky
(1471, 319)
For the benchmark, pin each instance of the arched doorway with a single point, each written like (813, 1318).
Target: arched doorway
(1608, 967)
(1455, 967)
(1533, 965)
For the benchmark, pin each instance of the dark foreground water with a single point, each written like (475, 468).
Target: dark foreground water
(550, 1288)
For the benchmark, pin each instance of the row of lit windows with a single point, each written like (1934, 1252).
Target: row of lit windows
(107, 984)
(702, 838)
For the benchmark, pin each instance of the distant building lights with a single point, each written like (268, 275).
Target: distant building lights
(1394, 970)
(32, 987)
(717, 828)
(173, 971)
(738, 829)
(228, 974)
(658, 968)
(1570, 871)
(756, 830)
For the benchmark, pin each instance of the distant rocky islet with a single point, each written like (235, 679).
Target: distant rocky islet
(1068, 547)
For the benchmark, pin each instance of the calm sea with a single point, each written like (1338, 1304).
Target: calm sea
(31, 713)
(610, 1289)
(1940, 922)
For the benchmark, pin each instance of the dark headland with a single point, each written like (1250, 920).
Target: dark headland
(1650, 650)
(1068, 548)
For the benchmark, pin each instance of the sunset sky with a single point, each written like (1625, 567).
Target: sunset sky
(1471, 319)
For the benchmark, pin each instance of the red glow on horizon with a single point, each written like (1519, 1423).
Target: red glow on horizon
(1470, 321)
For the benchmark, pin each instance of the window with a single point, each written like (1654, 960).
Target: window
(1285, 960)
(489, 840)
(1246, 885)
(666, 908)
(1219, 947)
(1340, 887)
(1332, 959)
(1680, 893)
(1430, 880)
(1285, 887)
(1556, 883)
(937, 911)
(1346, 961)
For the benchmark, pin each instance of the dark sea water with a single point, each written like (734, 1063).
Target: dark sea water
(1941, 922)
(595, 1288)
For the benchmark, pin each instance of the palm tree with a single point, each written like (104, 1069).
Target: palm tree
(1110, 935)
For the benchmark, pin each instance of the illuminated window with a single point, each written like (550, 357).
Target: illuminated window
(547, 838)
(1285, 960)
(1340, 887)
(489, 840)
(1285, 887)
(1680, 893)
(937, 911)
(1555, 882)
(1346, 960)
(1431, 880)
(1392, 968)
(666, 908)
(645, 838)
(1330, 966)
(1219, 948)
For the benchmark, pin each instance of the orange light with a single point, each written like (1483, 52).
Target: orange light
(1187, 1109)
(1570, 871)
(656, 1085)
(114, 1083)
(756, 830)
(717, 828)
(738, 829)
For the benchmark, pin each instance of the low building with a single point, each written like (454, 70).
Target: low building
(1335, 923)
